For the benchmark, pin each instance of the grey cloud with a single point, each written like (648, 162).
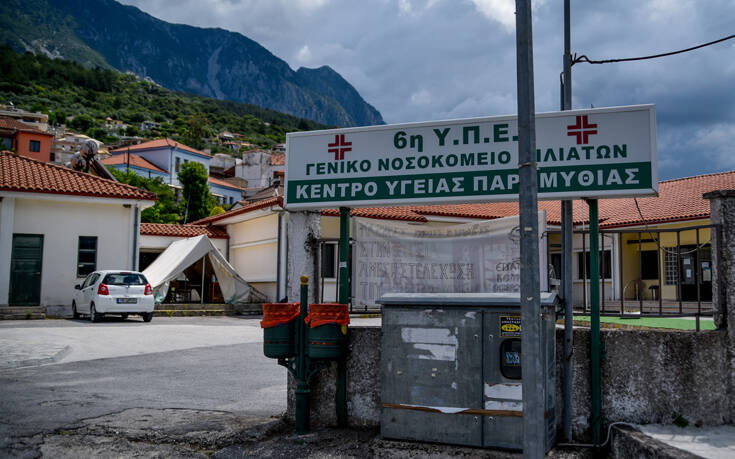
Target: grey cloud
(463, 64)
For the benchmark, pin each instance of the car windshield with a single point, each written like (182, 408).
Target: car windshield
(124, 279)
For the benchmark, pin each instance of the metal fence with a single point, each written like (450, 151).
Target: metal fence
(681, 287)
(680, 259)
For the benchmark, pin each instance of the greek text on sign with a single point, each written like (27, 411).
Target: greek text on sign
(596, 153)
(510, 326)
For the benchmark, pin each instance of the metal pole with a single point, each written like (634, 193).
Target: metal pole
(534, 396)
(567, 247)
(344, 298)
(620, 273)
(201, 289)
(344, 255)
(595, 346)
(302, 385)
(640, 272)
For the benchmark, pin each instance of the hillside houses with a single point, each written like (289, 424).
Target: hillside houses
(26, 139)
(163, 158)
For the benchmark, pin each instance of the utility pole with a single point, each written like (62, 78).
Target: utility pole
(567, 247)
(534, 431)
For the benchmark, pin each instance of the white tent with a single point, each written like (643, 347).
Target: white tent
(184, 253)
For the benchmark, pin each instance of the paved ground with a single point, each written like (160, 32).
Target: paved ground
(188, 387)
(209, 364)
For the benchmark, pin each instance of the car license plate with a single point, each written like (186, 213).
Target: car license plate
(127, 300)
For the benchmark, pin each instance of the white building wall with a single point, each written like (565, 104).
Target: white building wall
(160, 157)
(185, 156)
(256, 169)
(161, 243)
(61, 224)
(231, 196)
(254, 252)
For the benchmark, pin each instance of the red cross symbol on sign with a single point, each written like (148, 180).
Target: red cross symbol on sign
(582, 129)
(339, 147)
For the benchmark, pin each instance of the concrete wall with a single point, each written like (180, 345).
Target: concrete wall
(647, 375)
(61, 224)
(722, 211)
(255, 167)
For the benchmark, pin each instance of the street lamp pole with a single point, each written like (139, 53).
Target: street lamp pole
(534, 431)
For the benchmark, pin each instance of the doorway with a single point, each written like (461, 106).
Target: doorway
(26, 261)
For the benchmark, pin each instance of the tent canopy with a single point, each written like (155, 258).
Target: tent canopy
(184, 253)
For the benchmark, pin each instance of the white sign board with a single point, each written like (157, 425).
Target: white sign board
(596, 153)
(391, 257)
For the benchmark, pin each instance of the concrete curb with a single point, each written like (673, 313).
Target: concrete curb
(631, 442)
(38, 361)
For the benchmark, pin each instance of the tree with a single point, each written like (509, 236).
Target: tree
(197, 128)
(165, 210)
(196, 201)
(132, 130)
(82, 122)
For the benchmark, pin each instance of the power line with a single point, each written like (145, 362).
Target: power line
(584, 58)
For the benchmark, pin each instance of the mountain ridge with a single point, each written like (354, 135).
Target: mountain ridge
(210, 62)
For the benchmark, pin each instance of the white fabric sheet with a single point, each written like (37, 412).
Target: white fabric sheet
(184, 253)
(398, 257)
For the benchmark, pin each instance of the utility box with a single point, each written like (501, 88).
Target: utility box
(451, 368)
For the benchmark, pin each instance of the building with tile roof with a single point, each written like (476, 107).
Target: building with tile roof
(163, 158)
(25, 139)
(58, 225)
(135, 163)
(24, 175)
(631, 272)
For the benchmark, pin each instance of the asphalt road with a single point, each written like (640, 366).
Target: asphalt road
(212, 364)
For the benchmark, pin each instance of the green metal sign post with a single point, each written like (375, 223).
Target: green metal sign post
(344, 298)
(595, 347)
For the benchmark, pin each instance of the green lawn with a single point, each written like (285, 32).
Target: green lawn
(656, 322)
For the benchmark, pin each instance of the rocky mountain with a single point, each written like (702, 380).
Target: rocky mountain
(208, 62)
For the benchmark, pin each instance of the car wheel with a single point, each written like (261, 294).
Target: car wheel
(123, 316)
(74, 312)
(93, 316)
(147, 316)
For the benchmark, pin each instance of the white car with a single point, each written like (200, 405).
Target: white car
(113, 292)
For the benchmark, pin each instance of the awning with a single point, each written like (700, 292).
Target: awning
(184, 253)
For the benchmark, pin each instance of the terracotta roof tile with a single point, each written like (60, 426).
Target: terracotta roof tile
(224, 183)
(274, 201)
(278, 159)
(678, 200)
(26, 175)
(135, 160)
(404, 213)
(173, 230)
(160, 143)
(12, 123)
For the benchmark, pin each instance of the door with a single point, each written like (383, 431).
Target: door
(88, 291)
(695, 270)
(26, 260)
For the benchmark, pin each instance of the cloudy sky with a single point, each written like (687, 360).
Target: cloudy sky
(419, 60)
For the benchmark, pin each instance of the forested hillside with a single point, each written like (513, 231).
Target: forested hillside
(82, 98)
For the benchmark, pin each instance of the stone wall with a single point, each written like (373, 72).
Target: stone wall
(647, 375)
(722, 213)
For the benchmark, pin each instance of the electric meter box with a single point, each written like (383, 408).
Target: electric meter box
(451, 368)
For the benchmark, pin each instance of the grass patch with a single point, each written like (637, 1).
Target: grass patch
(674, 323)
